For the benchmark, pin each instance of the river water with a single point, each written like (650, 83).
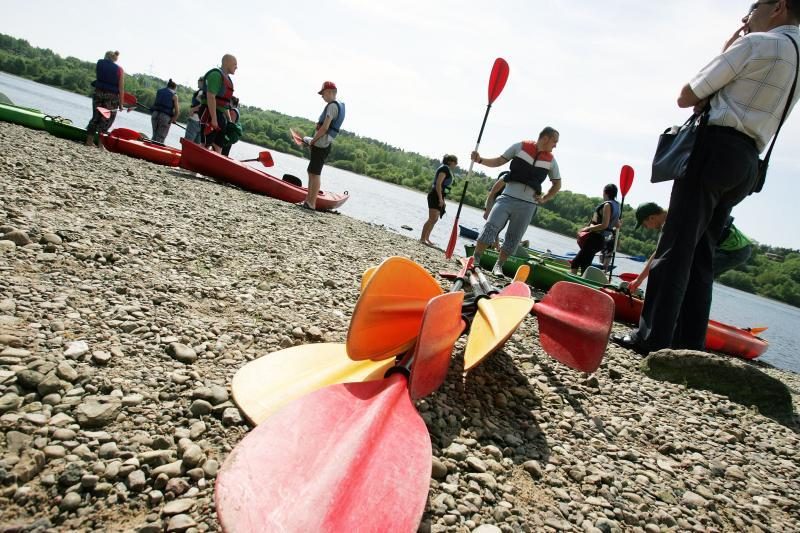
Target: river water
(392, 206)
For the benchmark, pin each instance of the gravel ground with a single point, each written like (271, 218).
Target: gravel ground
(130, 294)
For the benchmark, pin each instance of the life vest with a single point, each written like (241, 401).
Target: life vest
(448, 179)
(223, 100)
(336, 124)
(164, 101)
(530, 166)
(615, 214)
(107, 74)
(196, 98)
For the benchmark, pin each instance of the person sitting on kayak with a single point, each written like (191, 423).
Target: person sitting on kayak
(109, 88)
(214, 112)
(733, 248)
(531, 163)
(600, 229)
(328, 126)
(442, 179)
(165, 111)
(233, 131)
(193, 128)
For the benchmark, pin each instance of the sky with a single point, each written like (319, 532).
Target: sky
(414, 73)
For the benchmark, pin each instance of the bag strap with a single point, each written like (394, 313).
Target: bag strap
(788, 103)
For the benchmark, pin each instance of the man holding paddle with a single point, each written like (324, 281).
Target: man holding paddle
(216, 102)
(531, 163)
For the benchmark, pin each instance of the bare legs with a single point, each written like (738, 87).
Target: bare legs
(433, 217)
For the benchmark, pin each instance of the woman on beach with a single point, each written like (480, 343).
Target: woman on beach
(109, 88)
(603, 221)
(439, 187)
(165, 111)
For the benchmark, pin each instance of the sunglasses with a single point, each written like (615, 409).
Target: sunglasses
(755, 5)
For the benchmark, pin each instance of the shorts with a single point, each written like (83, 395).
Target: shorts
(208, 136)
(517, 213)
(318, 157)
(433, 202)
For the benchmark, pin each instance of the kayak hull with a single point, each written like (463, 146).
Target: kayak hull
(198, 159)
(30, 118)
(64, 129)
(155, 153)
(720, 337)
(467, 233)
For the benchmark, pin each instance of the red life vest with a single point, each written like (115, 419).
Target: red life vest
(223, 100)
(530, 166)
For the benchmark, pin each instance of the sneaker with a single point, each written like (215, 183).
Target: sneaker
(498, 269)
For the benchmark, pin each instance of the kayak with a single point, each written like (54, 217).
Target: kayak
(64, 129)
(120, 141)
(720, 337)
(198, 159)
(24, 116)
(467, 233)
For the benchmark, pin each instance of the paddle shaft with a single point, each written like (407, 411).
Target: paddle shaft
(616, 241)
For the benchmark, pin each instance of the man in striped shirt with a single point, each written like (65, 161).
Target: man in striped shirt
(748, 86)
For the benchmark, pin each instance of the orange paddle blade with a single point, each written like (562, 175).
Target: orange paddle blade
(757, 330)
(574, 324)
(522, 273)
(496, 320)
(366, 276)
(388, 315)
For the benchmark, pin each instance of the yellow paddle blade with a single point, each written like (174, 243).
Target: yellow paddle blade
(496, 320)
(366, 276)
(266, 384)
(522, 273)
(388, 315)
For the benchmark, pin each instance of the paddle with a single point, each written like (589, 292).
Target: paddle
(265, 158)
(497, 80)
(106, 113)
(349, 457)
(128, 101)
(755, 331)
(625, 182)
(628, 276)
(297, 138)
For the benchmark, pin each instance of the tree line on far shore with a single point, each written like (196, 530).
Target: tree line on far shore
(770, 272)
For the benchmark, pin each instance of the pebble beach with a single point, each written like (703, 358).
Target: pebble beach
(130, 294)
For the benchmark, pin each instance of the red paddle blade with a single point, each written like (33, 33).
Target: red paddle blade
(388, 314)
(105, 113)
(129, 100)
(516, 288)
(296, 137)
(625, 179)
(265, 158)
(628, 276)
(441, 328)
(574, 325)
(451, 244)
(353, 457)
(498, 78)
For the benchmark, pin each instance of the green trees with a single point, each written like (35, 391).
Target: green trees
(568, 212)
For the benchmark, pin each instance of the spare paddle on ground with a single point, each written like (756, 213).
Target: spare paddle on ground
(366, 446)
(497, 80)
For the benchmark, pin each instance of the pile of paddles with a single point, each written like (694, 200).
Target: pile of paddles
(338, 443)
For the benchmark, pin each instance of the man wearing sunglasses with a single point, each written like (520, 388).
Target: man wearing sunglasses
(748, 88)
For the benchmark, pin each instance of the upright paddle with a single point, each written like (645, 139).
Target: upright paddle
(349, 457)
(497, 80)
(625, 182)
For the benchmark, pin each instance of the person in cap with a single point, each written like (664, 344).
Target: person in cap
(440, 186)
(109, 90)
(193, 129)
(732, 250)
(747, 87)
(165, 111)
(531, 164)
(328, 126)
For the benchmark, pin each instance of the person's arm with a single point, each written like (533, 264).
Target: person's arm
(498, 186)
(176, 108)
(121, 87)
(633, 285)
(323, 129)
(440, 177)
(554, 188)
(489, 161)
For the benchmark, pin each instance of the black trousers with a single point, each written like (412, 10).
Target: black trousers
(678, 298)
(594, 243)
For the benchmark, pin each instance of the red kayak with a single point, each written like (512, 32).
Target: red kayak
(719, 337)
(129, 142)
(198, 159)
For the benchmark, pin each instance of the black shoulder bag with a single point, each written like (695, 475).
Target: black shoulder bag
(673, 158)
(763, 164)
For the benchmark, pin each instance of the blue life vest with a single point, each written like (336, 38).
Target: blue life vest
(164, 103)
(336, 124)
(107, 74)
(615, 214)
(448, 179)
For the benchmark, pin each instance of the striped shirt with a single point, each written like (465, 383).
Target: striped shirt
(750, 82)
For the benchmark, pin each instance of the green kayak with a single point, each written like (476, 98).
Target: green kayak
(63, 128)
(23, 116)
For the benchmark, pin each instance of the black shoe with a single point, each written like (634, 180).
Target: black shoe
(305, 206)
(631, 342)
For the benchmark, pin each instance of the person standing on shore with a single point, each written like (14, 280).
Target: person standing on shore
(328, 126)
(193, 128)
(748, 88)
(531, 163)
(216, 102)
(732, 250)
(442, 179)
(165, 111)
(601, 228)
(109, 89)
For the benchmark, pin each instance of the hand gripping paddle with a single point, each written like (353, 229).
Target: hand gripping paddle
(349, 457)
